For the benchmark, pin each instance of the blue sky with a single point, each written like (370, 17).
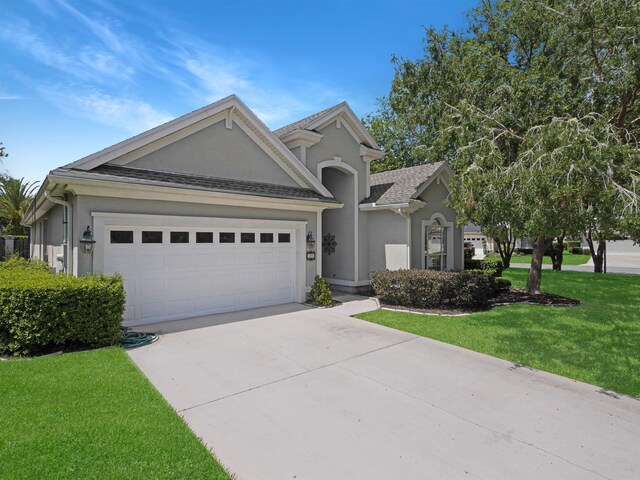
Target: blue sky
(78, 76)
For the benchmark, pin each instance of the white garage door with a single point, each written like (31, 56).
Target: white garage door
(173, 273)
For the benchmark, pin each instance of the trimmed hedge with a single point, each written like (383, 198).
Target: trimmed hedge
(435, 289)
(41, 310)
(488, 267)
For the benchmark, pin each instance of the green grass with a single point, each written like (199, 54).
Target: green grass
(92, 415)
(567, 259)
(596, 342)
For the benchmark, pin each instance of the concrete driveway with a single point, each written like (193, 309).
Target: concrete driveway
(300, 393)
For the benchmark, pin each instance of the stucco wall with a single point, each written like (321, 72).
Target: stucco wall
(219, 152)
(338, 142)
(435, 195)
(387, 232)
(339, 222)
(89, 204)
(47, 236)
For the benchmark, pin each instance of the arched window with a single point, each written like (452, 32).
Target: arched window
(436, 245)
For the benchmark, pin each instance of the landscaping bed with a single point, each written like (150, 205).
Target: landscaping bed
(513, 296)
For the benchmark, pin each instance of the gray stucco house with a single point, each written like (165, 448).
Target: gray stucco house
(214, 212)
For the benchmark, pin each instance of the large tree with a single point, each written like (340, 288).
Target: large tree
(538, 119)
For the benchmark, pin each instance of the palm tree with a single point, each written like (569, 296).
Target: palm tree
(15, 198)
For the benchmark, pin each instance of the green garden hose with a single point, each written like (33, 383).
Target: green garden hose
(137, 339)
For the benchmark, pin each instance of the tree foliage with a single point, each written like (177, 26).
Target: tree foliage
(535, 105)
(15, 198)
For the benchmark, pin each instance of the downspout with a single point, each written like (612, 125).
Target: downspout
(68, 231)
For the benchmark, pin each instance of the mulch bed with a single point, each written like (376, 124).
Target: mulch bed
(514, 296)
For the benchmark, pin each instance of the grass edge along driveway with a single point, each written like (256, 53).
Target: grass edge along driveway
(93, 414)
(596, 342)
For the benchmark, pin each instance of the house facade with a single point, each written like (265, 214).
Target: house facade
(214, 212)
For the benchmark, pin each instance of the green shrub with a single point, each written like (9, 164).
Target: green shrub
(586, 251)
(502, 285)
(489, 267)
(571, 244)
(577, 250)
(40, 310)
(434, 289)
(320, 293)
(16, 261)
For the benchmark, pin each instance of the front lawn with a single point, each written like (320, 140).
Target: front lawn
(92, 415)
(567, 259)
(596, 342)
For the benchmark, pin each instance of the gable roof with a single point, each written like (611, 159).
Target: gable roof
(402, 185)
(197, 182)
(304, 122)
(320, 119)
(232, 105)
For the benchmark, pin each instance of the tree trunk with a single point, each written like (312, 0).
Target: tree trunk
(557, 253)
(535, 271)
(597, 255)
(506, 249)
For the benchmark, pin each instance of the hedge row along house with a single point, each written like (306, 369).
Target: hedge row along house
(213, 212)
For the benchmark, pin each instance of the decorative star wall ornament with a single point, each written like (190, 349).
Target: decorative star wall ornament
(329, 244)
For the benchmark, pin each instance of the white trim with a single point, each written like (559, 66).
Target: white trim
(265, 148)
(450, 235)
(103, 188)
(368, 154)
(348, 283)
(167, 140)
(350, 119)
(408, 242)
(111, 219)
(239, 109)
(319, 243)
(345, 167)
(300, 137)
(402, 209)
(444, 168)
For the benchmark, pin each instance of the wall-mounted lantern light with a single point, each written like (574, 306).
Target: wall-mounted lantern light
(87, 242)
(311, 245)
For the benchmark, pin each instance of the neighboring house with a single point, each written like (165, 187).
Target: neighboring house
(481, 243)
(213, 212)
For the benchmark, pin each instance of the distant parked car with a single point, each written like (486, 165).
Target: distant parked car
(469, 250)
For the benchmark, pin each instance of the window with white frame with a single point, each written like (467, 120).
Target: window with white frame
(436, 245)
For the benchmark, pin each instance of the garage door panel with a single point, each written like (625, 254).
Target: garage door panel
(170, 281)
(205, 304)
(149, 289)
(179, 261)
(148, 260)
(150, 310)
(226, 258)
(284, 294)
(245, 258)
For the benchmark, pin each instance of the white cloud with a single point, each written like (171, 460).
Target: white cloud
(130, 114)
(275, 98)
(86, 63)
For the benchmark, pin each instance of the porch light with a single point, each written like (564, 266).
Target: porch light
(311, 244)
(87, 242)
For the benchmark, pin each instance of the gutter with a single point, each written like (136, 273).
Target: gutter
(68, 230)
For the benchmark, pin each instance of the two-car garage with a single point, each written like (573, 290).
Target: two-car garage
(180, 267)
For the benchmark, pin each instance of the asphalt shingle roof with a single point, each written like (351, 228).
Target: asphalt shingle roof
(199, 182)
(302, 124)
(398, 186)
